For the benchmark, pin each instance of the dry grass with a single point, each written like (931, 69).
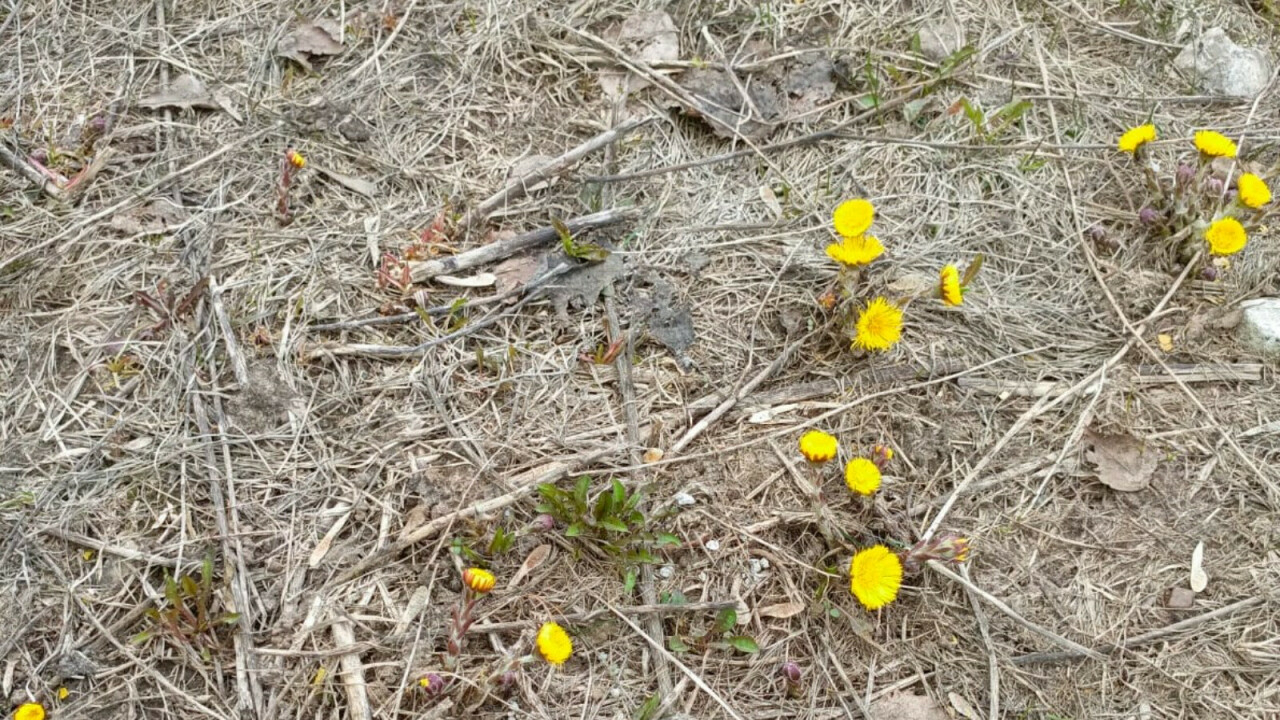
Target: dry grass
(180, 460)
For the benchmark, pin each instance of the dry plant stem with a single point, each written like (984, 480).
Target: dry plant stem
(352, 672)
(702, 685)
(527, 483)
(21, 167)
(492, 252)
(1145, 638)
(238, 367)
(1044, 404)
(727, 404)
(517, 188)
(1011, 613)
(656, 610)
(247, 684)
(122, 552)
(984, 629)
(82, 228)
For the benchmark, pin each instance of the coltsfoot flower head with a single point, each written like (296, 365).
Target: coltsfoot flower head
(944, 547)
(862, 476)
(432, 683)
(554, 644)
(1135, 138)
(949, 285)
(1226, 237)
(480, 581)
(875, 575)
(790, 672)
(29, 711)
(296, 159)
(1148, 216)
(879, 325)
(1253, 190)
(881, 454)
(818, 447)
(853, 217)
(1215, 144)
(855, 251)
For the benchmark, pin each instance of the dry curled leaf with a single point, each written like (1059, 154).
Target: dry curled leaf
(781, 611)
(1124, 462)
(536, 557)
(316, 38)
(725, 108)
(414, 519)
(354, 184)
(1199, 579)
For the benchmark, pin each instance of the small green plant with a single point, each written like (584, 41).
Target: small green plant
(719, 636)
(612, 521)
(187, 615)
(988, 127)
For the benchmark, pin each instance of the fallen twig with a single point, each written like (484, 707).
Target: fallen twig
(23, 168)
(519, 186)
(643, 610)
(427, 269)
(1143, 639)
(352, 672)
(238, 367)
(122, 552)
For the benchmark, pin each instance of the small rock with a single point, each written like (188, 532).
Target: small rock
(1222, 67)
(941, 40)
(1259, 328)
(1181, 598)
(759, 566)
(684, 499)
(712, 545)
(666, 571)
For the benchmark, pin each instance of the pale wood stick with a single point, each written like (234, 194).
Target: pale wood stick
(642, 610)
(995, 602)
(427, 269)
(352, 672)
(517, 188)
(122, 552)
(238, 367)
(1144, 638)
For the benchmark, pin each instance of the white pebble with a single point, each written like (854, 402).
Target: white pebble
(712, 545)
(666, 571)
(684, 499)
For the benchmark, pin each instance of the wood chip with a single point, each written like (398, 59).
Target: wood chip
(1199, 579)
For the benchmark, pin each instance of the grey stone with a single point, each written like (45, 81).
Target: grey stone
(684, 499)
(1221, 67)
(941, 40)
(1259, 328)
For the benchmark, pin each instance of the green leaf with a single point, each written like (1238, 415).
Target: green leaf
(744, 643)
(614, 524)
(604, 506)
(675, 597)
(580, 492)
(501, 542)
(676, 645)
(189, 587)
(911, 110)
(619, 494)
(867, 102)
(206, 571)
(668, 539)
(649, 709)
(629, 581)
(725, 620)
(578, 249)
(228, 618)
(573, 530)
(142, 637)
(972, 271)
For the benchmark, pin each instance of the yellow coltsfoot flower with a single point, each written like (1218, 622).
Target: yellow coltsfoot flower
(875, 575)
(29, 711)
(862, 476)
(554, 644)
(1226, 237)
(949, 286)
(853, 217)
(818, 447)
(1254, 192)
(1215, 144)
(879, 325)
(480, 581)
(1135, 138)
(855, 251)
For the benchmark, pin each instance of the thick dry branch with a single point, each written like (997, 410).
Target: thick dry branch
(428, 269)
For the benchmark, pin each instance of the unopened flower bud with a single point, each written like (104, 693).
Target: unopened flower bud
(1097, 233)
(1214, 187)
(98, 124)
(1185, 174)
(507, 680)
(40, 155)
(543, 523)
(1148, 216)
(945, 547)
(1210, 273)
(431, 683)
(790, 672)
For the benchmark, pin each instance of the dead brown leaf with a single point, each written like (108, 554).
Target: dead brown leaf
(313, 39)
(905, 706)
(807, 84)
(185, 92)
(727, 111)
(354, 184)
(781, 610)
(515, 272)
(649, 37)
(1124, 463)
(414, 519)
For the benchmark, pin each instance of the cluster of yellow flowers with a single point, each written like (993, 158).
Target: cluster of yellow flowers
(1190, 207)
(862, 475)
(878, 325)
